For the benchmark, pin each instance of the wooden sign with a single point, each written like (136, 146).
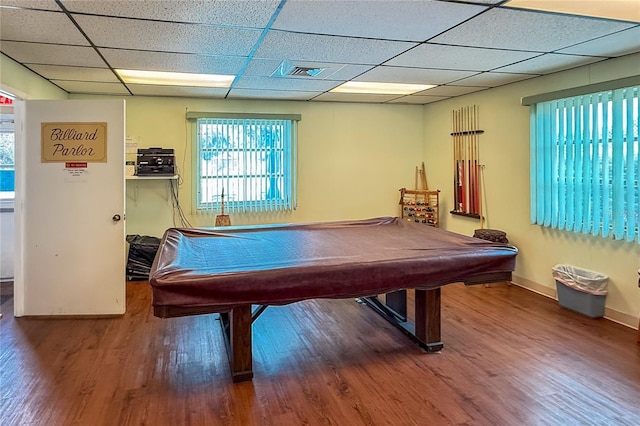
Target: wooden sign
(72, 142)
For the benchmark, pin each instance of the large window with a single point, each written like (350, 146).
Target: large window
(251, 160)
(584, 164)
(7, 154)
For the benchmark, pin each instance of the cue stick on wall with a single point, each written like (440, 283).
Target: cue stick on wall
(472, 180)
(466, 165)
(468, 160)
(423, 175)
(460, 161)
(475, 144)
(456, 181)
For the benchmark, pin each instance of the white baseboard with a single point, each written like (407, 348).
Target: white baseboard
(610, 314)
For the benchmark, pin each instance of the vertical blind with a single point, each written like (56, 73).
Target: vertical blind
(585, 165)
(250, 161)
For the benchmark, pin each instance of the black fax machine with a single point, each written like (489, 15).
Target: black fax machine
(156, 162)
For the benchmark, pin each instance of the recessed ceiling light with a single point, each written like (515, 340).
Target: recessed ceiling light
(624, 10)
(175, 78)
(380, 88)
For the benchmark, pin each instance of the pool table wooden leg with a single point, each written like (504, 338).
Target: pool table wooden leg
(425, 330)
(427, 321)
(236, 326)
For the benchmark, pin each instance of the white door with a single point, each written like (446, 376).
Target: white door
(70, 235)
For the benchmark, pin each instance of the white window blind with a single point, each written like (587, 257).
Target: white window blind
(585, 165)
(251, 160)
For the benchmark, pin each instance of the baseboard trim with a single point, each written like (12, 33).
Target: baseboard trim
(73, 316)
(610, 314)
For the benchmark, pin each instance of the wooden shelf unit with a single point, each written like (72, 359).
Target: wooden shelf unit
(421, 206)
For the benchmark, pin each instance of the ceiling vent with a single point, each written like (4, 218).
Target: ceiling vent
(287, 69)
(305, 71)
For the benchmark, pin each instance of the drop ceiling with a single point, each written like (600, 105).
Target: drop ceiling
(459, 46)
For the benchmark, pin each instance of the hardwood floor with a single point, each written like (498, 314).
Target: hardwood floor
(511, 357)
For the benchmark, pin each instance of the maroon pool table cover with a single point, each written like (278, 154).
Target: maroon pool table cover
(224, 268)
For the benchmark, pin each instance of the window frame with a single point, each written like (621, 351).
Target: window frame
(288, 162)
(7, 116)
(580, 148)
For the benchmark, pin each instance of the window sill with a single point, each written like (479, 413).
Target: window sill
(6, 204)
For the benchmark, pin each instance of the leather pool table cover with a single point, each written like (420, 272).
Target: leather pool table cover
(223, 268)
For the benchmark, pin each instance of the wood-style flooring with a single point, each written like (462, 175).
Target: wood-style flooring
(511, 357)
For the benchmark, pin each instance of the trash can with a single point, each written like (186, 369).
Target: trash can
(581, 290)
(142, 251)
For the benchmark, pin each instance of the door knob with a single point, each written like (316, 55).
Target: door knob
(116, 217)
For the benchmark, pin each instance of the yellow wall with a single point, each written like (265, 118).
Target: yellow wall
(353, 158)
(504, 150)
(18, 81)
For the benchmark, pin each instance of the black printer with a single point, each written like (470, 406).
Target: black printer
(156, 161)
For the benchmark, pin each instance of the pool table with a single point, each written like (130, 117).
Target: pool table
(238, 271)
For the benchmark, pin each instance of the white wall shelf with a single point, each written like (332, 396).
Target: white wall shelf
(152, 177)
(136, 179)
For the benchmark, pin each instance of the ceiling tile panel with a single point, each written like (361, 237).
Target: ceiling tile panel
(309, 84)
(52, 54)
(449, 91)
(618, 44)
(354, 97)
(177, 91)
(32, 4)
(493, 79)
(262, 67)
(334, 71)
(39, 26)
(92, 87)
(418, 99)
(56, 72)
(308, 47)
(167, 37)
(413, 75)
(174, 62)
(238, 13)
(421, 20)
(271, 94)
(460, 58)
(550, 62)
(526, 30)
(470, 45)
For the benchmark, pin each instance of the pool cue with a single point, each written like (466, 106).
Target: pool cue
(454, 118)
(477, 151)
(481, 192)
(460, 163)
(473, 162)
(467, 156)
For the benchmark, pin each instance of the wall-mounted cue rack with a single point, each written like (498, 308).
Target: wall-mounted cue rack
(466, 165)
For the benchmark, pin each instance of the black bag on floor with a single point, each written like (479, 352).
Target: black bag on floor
(142, 251)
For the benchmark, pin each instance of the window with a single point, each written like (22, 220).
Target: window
(584, 164)
(7, 153)
(251, 160)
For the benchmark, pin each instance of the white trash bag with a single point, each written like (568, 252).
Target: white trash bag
(581, 279)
